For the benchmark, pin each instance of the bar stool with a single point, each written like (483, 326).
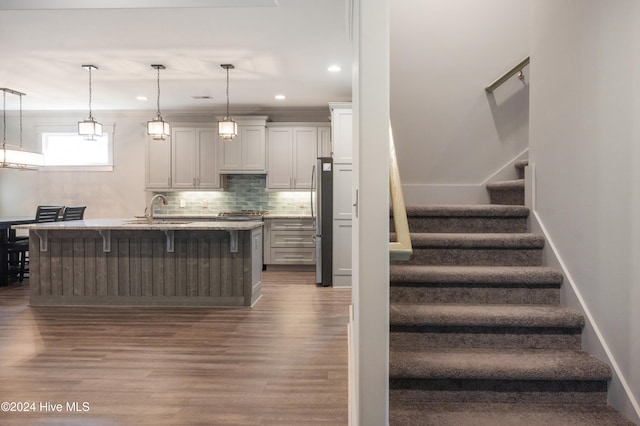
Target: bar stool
(18, 248)
(73, 213)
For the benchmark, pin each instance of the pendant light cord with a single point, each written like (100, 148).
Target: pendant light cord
(4, 118)
(21, 121)
(227, 92)
(90, 115)
(158, 68)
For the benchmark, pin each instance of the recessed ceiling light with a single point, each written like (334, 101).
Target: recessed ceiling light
(334, 68)
(280, 97)
(142, 98)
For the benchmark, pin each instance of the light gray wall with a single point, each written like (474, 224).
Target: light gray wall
(450, 135)
(584, 149)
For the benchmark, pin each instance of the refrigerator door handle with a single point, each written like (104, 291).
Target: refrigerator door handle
(313, 175)
(318, 239)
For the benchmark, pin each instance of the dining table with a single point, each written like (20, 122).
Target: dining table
(6, 235)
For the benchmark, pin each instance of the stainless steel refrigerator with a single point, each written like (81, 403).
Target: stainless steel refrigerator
(322, 215)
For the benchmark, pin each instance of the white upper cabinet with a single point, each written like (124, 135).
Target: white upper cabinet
(304, 156)
(246, 153)
(280, 158)
(291, 155)
(324, 142)
(194, 158)
(158, 164)
(342, 137)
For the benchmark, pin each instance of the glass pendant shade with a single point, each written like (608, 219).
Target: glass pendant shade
(90, 129)
(17, 158)
(157, 128)
(227, 128)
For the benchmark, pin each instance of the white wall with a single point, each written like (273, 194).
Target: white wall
(585, 110)
(371, 218)
(450, 135)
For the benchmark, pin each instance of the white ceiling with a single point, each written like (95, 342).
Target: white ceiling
(281, 47)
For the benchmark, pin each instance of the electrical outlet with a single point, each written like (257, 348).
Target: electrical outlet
(182, 203)
(205, 203)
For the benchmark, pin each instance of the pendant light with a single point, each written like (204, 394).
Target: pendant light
(158, 128)
(16, 157)
(227, 128)
(90, 128)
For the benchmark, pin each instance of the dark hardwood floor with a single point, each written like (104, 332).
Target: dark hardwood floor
(282, 362)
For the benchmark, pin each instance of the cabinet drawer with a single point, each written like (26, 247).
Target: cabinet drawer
(291, 224)
(292, 239)
(293, 256)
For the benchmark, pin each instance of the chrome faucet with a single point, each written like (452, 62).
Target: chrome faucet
(148, 211)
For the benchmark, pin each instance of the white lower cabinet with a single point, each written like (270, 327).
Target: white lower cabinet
(289, 241)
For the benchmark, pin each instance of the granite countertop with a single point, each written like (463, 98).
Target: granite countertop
(207, 216)
(286, 216)
(142, 224)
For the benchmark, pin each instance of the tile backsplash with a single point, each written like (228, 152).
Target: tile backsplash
(242, 192)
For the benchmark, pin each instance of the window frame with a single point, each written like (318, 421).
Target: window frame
(107, 129)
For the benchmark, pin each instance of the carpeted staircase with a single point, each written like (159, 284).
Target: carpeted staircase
(477, 333)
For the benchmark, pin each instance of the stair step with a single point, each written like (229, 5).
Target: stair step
(488, 414)
(414, 327)
(510, 192)
(534, 275)
(497, 375)
(504, 249)
(497, 364)
(520, 165)
(484, 316)
(467, 218)
(474, 284)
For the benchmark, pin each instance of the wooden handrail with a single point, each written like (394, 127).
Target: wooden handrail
(507, 75)
(400, 249)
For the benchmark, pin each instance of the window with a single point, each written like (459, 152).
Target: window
(65, 150)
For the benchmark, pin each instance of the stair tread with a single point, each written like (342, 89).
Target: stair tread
(497, 364)
(475, 274)
(506, 185)
(484, 315)
(477, 240)
(468, 210)
(504, 414)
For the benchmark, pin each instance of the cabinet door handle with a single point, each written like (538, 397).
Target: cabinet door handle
(194, 182)
(356, 203)
(198, 182)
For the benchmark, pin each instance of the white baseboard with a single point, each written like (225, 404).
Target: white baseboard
(620, 395)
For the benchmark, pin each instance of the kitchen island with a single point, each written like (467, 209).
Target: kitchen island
(134, 262)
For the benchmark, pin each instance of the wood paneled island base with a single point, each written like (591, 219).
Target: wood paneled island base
(194, 264)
